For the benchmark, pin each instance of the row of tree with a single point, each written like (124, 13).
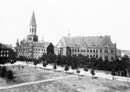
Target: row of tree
(83, 61)
(80, 61)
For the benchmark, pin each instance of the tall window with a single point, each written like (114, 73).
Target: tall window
(96, 56)
(106, 57)
(93, 51)
(90, 51)
(111, 58)
(87, 50)
(111, 51)
(106, 51)
(100, 51)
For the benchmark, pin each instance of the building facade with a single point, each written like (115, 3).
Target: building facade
(95, 46)
(6, 52)
(31, 47)
(125, 52)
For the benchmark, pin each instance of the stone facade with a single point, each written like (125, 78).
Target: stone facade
(31, 47)
(95, 46)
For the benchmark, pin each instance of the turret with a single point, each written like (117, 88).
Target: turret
(32, 31)
(33, 25)
(17, 43)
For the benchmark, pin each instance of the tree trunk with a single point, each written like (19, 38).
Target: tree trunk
(127, 79)
(35, 66)
(66, 72)
(73, 71)
(62, 69)
(92, 77)
(113, 77)
(78, 74)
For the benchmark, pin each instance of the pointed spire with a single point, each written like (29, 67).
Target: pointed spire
(42, 39)
(17, 40)
(68, 32)
(33, 21)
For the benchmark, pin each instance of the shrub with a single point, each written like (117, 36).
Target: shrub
(3, 72)
(54, 67)
(9, 75)
(113, 73)
(66, 68)
(93, 73)
(78, 71)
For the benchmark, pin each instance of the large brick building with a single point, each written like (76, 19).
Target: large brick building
(31, 47)
(6, 52)
(94, 46)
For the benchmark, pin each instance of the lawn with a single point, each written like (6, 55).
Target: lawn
(73, 84)
(86, 84)
(29, 74)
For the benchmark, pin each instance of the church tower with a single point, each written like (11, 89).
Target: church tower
(33, 29)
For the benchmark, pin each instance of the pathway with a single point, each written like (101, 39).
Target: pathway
(36, 82)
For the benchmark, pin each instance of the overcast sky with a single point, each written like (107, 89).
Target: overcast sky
(55, 17)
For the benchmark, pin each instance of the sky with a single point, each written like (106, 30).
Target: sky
(55, 18)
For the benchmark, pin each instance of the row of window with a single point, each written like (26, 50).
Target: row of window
(4, 51)
(90, 56)
(83, 50)
(89, 50)
(30, 53)
(4, 55)
(106, 58)
(33, 30)
(28, 49)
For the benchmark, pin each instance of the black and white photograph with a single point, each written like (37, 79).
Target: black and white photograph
(64, 46)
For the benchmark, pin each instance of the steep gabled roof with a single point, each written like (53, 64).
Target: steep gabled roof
(3, 46)
(88, 41)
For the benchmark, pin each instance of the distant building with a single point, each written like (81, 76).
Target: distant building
(31, 47)
(94, 46)
(6, 52)
(125, 52)
(118, 53)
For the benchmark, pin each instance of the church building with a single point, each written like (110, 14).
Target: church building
(31, 47)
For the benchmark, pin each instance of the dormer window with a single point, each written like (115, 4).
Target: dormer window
(106, 46)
